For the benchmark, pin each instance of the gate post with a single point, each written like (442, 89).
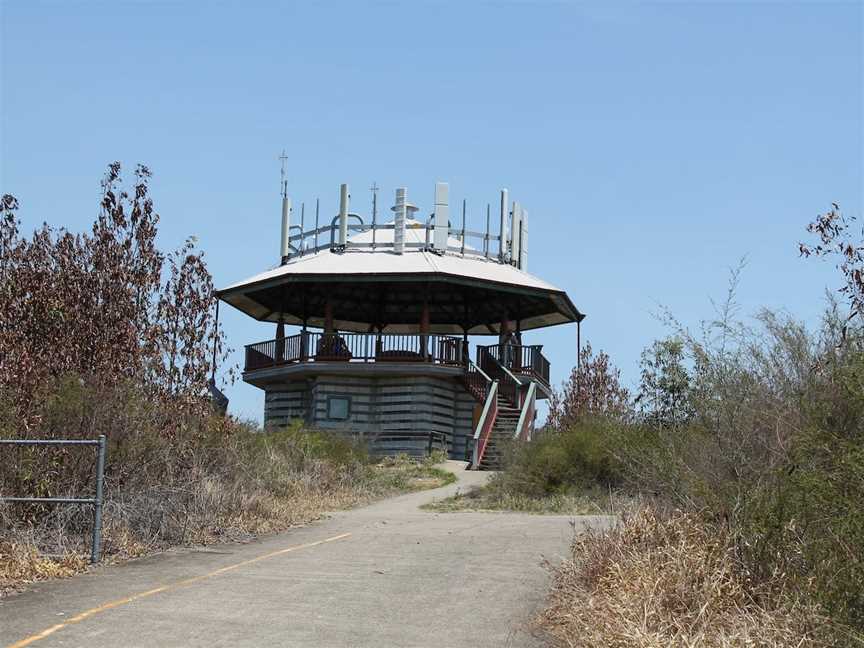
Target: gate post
(96, 544)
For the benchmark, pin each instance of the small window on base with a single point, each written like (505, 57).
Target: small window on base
(338, 407)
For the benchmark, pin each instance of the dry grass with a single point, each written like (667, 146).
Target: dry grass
(500, 495)
(491, 499)
(660, 581)
(21, 562)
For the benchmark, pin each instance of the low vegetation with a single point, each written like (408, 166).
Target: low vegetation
(672, 580)
(218, 480)
(102, 333)
(494, 498)
(743, 449)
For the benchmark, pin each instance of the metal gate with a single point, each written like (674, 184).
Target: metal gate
(95, 502)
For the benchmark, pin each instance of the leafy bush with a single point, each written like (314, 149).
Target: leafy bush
(558, 461)
(769, 446)
(107, 306)
(593, 389)
(807, 520)
(775, 449)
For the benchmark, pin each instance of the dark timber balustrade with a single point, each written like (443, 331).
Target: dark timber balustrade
(355, 347)
(518, 359)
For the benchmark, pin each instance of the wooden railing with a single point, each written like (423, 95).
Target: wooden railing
(477, 382)
(355, 347)
(521, 360)
(509, 386)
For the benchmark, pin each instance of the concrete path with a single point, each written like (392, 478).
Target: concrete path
(385, 575)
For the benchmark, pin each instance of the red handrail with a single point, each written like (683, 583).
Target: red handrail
(485, 425)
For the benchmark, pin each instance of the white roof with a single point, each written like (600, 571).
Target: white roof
(359, 263)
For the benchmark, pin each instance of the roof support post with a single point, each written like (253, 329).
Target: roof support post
(280, 340)
(578, 357)
(304, 342)
(424, 330)
(505, 340)
(215, 344)
(328, 317)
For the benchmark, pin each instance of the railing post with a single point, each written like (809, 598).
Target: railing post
(96, 544)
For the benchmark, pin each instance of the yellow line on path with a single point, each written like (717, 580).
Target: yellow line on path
(165, 588)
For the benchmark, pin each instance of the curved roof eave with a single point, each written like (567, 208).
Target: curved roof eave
(417, 264)
(230, 295)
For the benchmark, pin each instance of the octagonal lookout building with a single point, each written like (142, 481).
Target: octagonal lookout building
(385, 312)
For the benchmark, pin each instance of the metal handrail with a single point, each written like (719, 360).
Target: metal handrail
(316, 232)
(95, 502)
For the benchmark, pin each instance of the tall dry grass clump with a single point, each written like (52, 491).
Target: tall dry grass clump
(672, 581)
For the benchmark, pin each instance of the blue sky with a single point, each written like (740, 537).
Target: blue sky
(654, 145)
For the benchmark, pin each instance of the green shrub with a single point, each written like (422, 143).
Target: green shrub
(561, 461)
(807, 519)
(776, 451)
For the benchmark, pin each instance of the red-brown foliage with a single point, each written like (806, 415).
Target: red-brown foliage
(593, 389)
(106, 306)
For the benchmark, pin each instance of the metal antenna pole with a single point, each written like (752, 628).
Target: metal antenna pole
(215, 342)
(486, 239)
(374, 189)
(578, 356)
(302, 225)
(317, 201)
(463, 227)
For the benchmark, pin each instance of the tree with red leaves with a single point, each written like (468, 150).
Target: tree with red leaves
(593, 389)
(106, 306)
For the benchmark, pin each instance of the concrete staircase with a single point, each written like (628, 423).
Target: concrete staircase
(502, 432)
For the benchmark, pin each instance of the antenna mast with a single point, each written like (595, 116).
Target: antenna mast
(284, 184)
(285, 246)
